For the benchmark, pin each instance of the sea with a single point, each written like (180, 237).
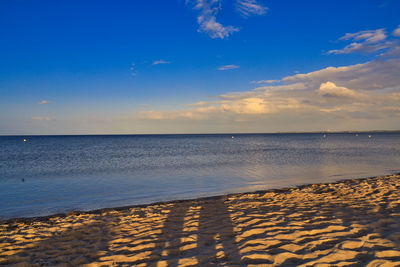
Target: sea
(44, 175)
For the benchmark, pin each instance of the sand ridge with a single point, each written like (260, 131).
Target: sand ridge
(348, 223)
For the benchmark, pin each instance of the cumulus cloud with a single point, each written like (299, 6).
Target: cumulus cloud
(396, 32)
(329, 89)
(374, 75)
(228, 67)
(43, 102)
(345, 95)
(364, 42)
(250, 7)
(157, 62)
(239, 106)
(207, 19)
(369, 89)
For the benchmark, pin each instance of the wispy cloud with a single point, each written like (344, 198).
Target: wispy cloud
(133, 69)
(265, 81)
(207, 19)
(39, 118)
(43, 102)
(228, 67)
(209, 9)
(359, 48)
(157, 62)
(248, 8)
(368, 37)
(396, 32)
(364, 42)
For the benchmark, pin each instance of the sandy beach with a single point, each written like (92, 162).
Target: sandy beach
(347, 223)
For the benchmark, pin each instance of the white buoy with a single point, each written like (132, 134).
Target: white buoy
(369, 136)
(233, 137)
(24, 140)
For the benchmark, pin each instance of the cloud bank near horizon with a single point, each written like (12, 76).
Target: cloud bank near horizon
(367, 91)
(355, 97)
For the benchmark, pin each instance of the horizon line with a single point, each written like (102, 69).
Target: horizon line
(226, 133)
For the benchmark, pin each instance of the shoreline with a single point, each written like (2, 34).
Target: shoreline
(127, 207)
(351, 222)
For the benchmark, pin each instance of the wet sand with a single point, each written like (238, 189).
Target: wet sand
(348, 223)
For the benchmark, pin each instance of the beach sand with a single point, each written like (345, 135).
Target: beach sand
(348, 223)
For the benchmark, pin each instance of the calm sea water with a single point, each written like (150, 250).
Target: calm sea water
(52, 174)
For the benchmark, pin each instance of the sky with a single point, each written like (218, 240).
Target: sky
(198, 66)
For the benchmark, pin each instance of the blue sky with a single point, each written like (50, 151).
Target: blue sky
(198, 66)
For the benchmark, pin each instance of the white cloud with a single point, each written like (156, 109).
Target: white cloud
(43, 102)
(396, 32)
(359, 48)
(250, 7)
(374, 92)
(364, 42)
(330, 89)
(374, 75)
(241, 106)
(368, 37)
(214, 29)
(208, 22)
(209, 9)
(157, 62)
(351, 96)
(228, 67)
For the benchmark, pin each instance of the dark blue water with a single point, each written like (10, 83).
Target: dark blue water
(52, 174)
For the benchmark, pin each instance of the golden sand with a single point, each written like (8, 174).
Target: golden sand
(348, 223)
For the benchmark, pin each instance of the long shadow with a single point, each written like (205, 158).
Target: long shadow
(203, 233)
(172, 231)
(212, 241)
(199, 230)
(216, 238)
(71, 247)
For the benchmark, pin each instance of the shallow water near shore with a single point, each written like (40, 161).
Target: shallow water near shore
(52, 174)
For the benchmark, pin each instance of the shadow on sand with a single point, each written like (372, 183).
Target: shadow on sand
(200, 232)
(193, 232)
(312, 224)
